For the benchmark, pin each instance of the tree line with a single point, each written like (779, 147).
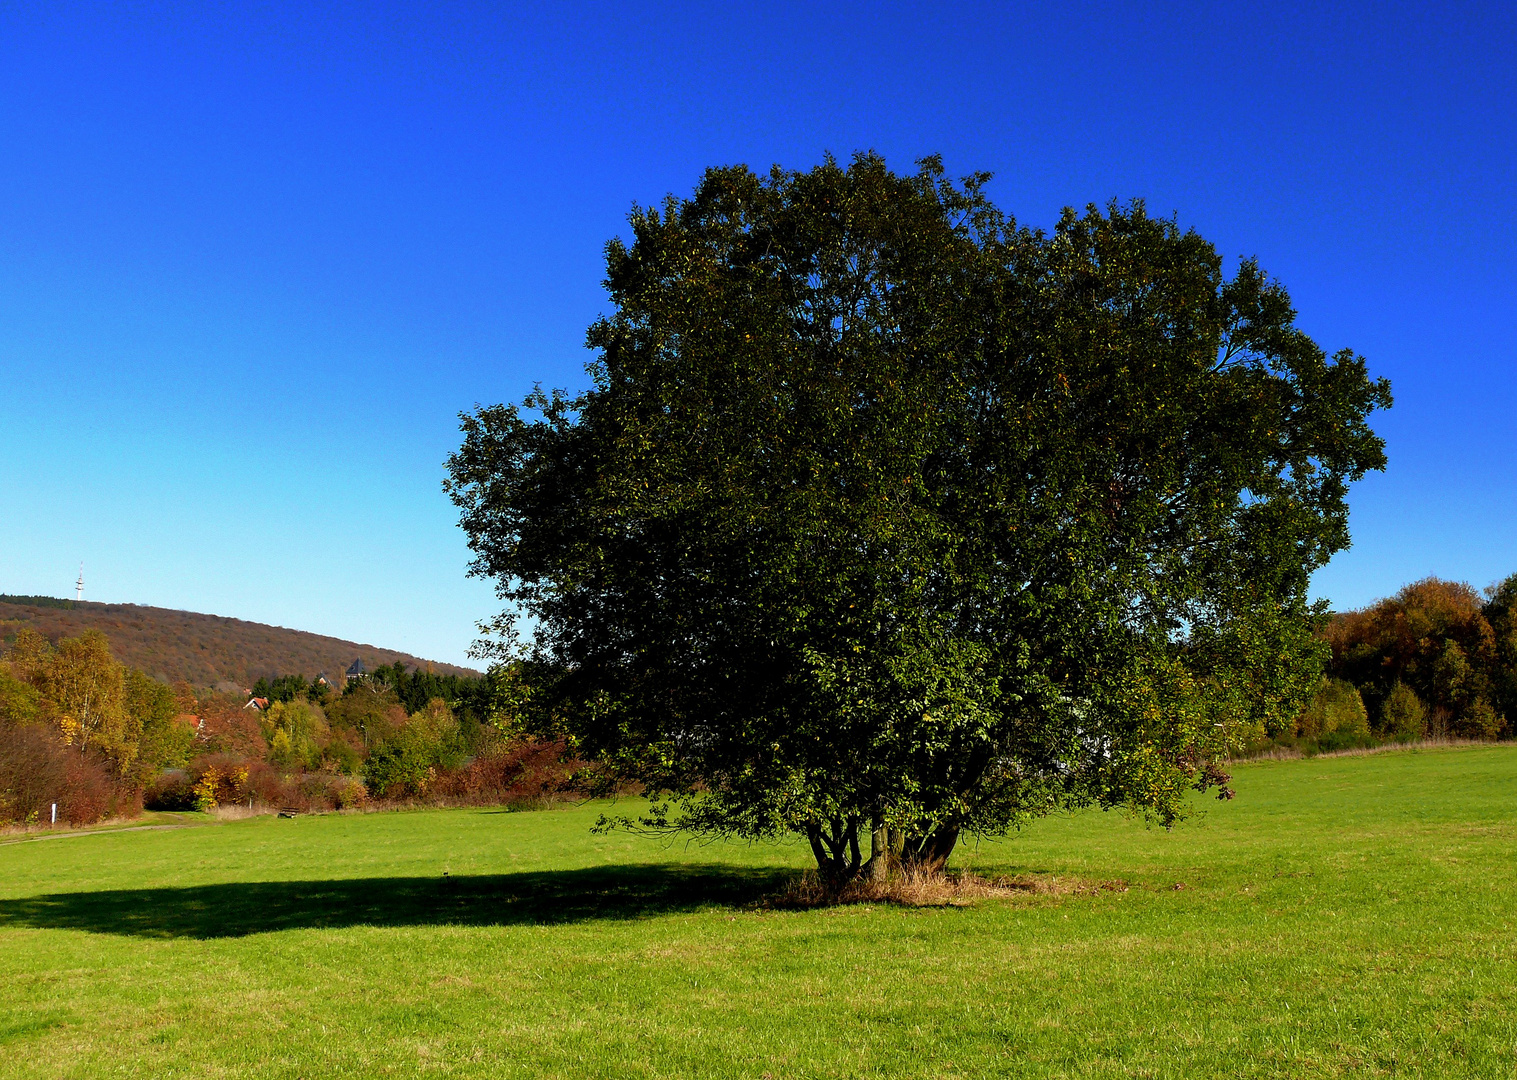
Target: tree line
(1436, 660)
(80, 730)
(412, 688)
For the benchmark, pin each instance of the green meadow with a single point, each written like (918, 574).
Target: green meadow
(1343, 916)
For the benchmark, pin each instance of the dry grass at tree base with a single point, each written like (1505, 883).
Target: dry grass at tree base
(914, 887)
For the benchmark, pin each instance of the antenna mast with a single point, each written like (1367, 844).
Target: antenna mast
(79, 585)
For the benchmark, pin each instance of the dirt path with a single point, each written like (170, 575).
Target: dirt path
(104, 829)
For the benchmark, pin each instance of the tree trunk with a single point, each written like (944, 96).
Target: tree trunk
(879, 865)
(929, 853)
(818, 848)
(837, 850)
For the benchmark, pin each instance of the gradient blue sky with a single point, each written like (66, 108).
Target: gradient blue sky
(255, 258)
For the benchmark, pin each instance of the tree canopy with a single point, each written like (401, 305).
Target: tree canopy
(886, 517)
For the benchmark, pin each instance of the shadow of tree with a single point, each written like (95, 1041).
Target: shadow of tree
(235, 909)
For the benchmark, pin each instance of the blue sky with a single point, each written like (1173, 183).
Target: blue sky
(255, 258)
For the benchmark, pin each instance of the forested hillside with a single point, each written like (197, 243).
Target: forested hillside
(204, 650)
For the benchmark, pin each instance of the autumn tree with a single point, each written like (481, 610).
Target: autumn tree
(1434, 638)
(886, 519)
(153, 708)
(1336, 711)
(296, 732)
(93, 703)
(79, 730)
(89, 688)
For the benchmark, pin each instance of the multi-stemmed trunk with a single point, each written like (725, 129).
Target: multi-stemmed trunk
(840, 859)
(929, 852)
(836, 847)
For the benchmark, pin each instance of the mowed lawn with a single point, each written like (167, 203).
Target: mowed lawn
(1345, 916)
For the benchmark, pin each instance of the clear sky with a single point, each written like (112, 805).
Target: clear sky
(255, 258)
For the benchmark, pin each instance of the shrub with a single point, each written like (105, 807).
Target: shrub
(1342, 739)
(402, 767)
(205, 789)
(211, 781)
(349, 794)
(33, 774)
(270, 786)
(1337, 712)
(525, 772)
(1403, 716)
(36, 771)
(1478, 721)
(340, 756)
(221, 780)
(93, 794)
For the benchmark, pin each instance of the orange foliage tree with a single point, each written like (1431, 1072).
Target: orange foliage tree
(1435, 638)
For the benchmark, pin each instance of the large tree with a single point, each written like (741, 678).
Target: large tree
(886, 519)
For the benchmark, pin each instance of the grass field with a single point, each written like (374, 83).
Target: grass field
(1344, 916)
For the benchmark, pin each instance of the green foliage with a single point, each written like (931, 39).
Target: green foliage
(339, 756)
(20, 703)
(409, 761)
(1337, 708)
(284, 688)
(437, 727)
(1403, 716)
(1501, 613)
(406, 764)
(37, 601)
(1481, 721)
(415, 688)
(373, 714)
(884, 513)
(296, 731)
(162, 743)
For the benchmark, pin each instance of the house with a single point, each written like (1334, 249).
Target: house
(259, 703)
(321, 680)
(356, 670)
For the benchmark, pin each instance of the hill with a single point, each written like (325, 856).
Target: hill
(205, 650)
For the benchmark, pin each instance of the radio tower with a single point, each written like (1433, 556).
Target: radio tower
(79, 585)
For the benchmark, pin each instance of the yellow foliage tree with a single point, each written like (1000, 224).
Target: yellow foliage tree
(89, 688)
(296, 731)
